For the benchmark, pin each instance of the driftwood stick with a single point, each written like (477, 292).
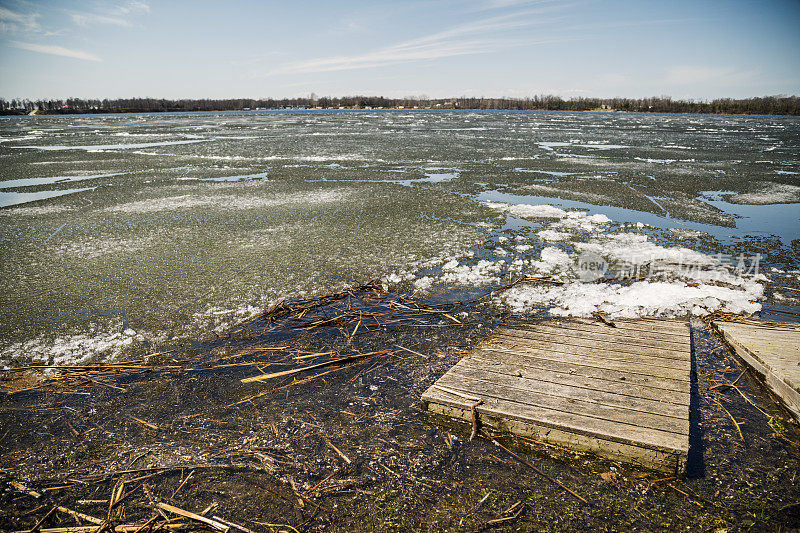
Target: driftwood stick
(508, 518)
(124, 528)
(315, 487)
(153, 519)
(529, 465)
(735, 423)
(264, 377)
(411, 351)
(152, 500)
(41, 521)
(337, 450)
(602, 317)
(231, 524)
(182, 484)
(24, 488)
(192, 516)
(267, 524)
(80, 516)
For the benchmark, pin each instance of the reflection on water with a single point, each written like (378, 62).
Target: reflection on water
(772, 220)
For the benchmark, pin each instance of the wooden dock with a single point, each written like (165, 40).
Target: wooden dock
(772, 350)
(622, 393)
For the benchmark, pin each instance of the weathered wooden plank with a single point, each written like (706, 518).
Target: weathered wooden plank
(645, 385)
(779, 350)
(619, 392)
(624, 340)
(622, 365)
(652, 339)
(772, 352)
(466, 370)
(661, 326)
(623, 387)
(625, 433)
(602, 340)
(665, 352)
(618, 344)
(774, 347)
(667, 462)
(603, 415)
(611, 359)
(682, 342)
(768, 339)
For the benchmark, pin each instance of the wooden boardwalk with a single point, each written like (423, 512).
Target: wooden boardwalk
(773, 351)
(622, 393)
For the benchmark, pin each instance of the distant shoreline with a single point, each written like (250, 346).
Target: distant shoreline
(7, 113)
(757, 106)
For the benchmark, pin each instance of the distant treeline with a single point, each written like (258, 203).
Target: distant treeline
(767, 105)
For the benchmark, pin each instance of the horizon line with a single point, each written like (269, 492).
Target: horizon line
(412, 97)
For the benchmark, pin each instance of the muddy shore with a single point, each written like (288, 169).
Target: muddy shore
(345, 447)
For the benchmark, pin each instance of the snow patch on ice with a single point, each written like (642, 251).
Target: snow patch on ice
(220, 319)
(642, 298)
(74, 349)
(481, 273)
(191, 201)
(550, 235)
(770, 193)
(552, 260)
(569, 220)
(679, 281)
(424, 283)
(686, 233)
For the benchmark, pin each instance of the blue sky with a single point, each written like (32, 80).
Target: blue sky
(438, 48)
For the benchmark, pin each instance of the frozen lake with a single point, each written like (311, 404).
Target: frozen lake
(122, 234)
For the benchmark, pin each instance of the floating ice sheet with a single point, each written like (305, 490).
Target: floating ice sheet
(17, 198)
(31, 182)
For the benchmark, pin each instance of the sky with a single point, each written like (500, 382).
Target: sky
(700, 49)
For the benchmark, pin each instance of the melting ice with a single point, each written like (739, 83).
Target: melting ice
(177, 236)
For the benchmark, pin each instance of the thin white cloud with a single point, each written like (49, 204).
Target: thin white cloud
(501, 4)
(55, 50)
(401, 53)
(85, 19)
(133, 7)
(11, 21)
(456, 41)
(116, 15)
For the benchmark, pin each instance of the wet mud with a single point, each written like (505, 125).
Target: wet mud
(344, 446)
